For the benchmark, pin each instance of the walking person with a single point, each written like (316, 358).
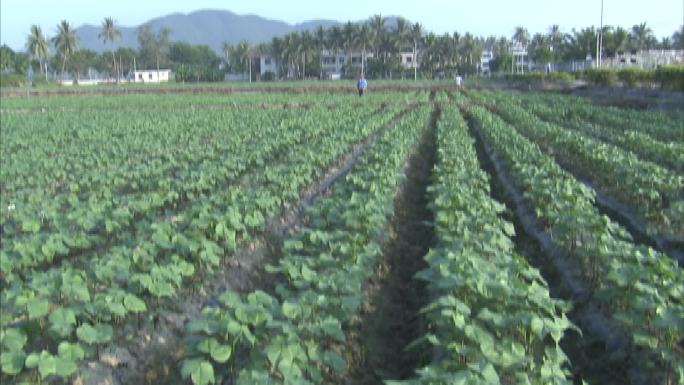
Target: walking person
(361, 85)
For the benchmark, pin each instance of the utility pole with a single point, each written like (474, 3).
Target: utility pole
(599, 40)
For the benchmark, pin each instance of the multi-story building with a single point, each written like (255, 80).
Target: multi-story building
(408, 59)
(267, 64)
(485, 58)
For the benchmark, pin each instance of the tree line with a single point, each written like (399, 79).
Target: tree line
(298, 54)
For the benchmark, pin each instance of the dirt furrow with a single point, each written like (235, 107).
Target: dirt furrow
(390, 319)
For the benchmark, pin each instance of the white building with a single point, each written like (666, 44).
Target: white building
(332, 62)
(408, 60)
(485, 58)
(520, 58)
(151, 76)
(645, 58)
(268, 64)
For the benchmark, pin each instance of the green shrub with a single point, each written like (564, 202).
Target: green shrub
(12, 80)
(268, 76)
(540, 77)
(631, 77)
(670, 77)
(560, 76)
(601, 77)
(40, 82)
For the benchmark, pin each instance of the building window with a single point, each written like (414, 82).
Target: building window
(409, 59)
(328, 60)
(341, 60)
(356, 60)
(140, 77)
(267, 61)
(149, 76)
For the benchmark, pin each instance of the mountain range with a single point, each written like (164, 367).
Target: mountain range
(210, 27)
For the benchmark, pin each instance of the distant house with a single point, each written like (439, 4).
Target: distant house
(485, 58)
(151, 76)
(520, 58)
(268, 64)
(333, 62)
(645, 58)
(408, 60)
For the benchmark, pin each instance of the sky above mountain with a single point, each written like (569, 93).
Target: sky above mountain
(494, 17)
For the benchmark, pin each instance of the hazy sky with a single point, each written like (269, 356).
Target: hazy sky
(494, 17)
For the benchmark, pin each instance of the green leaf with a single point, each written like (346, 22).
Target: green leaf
(489, 374)
(332, 328)
(12, 361)
(219, 352)
(230, 299)
(229, 236)
(134, 304)
(47, 364)
(32, 226)
(64, 366)
(508, 229)
(201, 372)
(37, 307)
(98, 334)
(273, 353)
(87, 334)
(32, 360)
(70, 351)
(335, 361)
(537, 326)
(233, 327)
(350, 303)
(14, 339)
(62, 321)
(291, 309)
(308, 274)
(645, 340)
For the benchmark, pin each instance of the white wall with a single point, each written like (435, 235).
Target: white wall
(151, 76)
(272, 67)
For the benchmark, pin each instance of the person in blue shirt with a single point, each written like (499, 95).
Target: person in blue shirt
(361, 85)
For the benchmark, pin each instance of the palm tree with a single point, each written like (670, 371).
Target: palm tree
(244, 52)
(348, 33)
(378, 30)
(642, 35)
(456, 47)
(38, 47)
(430, 41)
(291, 53)
(362, 39)
(162, 43)
(277, 50)
(678, 38)
(335, 41)
(521, 36)
(304, 46)
(110, 33)
(320, 39)
(401, 33)
(416, 36)
(620, 38)
(226, 49)
(466, 48)
(66, 42)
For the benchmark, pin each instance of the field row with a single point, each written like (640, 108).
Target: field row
(73, 293)
(109, 217)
